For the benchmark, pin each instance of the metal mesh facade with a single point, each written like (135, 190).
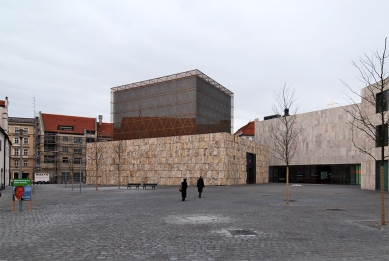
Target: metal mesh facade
(181, 104)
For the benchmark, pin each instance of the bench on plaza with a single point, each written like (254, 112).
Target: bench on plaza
(136, 185)
(152, 185)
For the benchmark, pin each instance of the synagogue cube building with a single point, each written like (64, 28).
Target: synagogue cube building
(175, 127)
(221, 158)
(186, 103)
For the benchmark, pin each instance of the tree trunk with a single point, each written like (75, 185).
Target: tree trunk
(287, 185)
(119, 177)
(382, 193)
(96, 180)
(72, 179)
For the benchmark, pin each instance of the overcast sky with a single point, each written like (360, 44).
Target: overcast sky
(68, 54)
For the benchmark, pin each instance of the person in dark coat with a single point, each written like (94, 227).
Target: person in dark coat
(184, 186)
(200, 185)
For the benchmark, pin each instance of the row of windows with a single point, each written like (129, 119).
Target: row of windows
(65, 149)
(76, 139)
(51, 159)
(16, 140)
(16, 129)
(25, 152)
(75, 160)
(25, 163)
(75, 150)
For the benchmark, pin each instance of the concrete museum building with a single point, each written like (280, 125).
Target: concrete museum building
(325, 152)
(174, 127)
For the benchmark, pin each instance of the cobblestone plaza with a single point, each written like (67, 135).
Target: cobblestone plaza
(249, 222)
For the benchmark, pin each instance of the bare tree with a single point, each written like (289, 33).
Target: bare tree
(97, 157)
(119, 148)
(285, 131)
(372, 120)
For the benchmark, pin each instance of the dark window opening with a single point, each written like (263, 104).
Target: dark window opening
(65, 128)
(382, 101)
(49, 159)
(382, 135)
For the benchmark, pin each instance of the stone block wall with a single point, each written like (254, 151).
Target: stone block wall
(168, 160)
(325, 139)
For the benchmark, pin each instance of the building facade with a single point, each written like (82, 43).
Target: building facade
(221, 158)
(325, 152)
(61, 144)
(5, 145)
(247, 131)
(186, 103)
(22, 150)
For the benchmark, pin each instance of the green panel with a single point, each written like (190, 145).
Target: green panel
(358, 174)
(378, 179)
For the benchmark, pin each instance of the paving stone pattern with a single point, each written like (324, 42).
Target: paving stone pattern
(323, 222)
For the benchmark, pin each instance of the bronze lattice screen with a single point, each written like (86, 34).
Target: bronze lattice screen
(182, 104)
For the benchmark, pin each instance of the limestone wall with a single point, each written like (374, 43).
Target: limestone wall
(168, 160)
(326, 139)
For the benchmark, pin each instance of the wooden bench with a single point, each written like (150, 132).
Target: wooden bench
(136, 185)
(152, 185)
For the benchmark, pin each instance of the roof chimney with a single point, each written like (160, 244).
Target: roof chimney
(286, 112)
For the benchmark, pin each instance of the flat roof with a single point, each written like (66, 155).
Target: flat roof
(173, 77)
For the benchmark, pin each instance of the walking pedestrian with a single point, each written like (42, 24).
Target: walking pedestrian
(184, 186)
(200, 185)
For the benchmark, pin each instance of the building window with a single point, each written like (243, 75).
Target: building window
(25, 140)
(16, 152)
(65, 149)
(16, 163)
(77, 150)
(16, 140)
(48, 159)
(25, 130)
(25, 152)
(77, 140)
(65, 128)
(76, 176)
(65, 159)
(16, 129)
(77, 161)
(382, 101)
(66, 176)
(382, 130)
(48, 148)
(65, 139)
(25, 163)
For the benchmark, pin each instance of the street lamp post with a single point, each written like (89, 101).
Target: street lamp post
(21, 133)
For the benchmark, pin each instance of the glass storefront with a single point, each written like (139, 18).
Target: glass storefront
(345, 174)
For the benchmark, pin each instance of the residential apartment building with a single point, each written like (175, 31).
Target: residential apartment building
(5, 144)
(22, 150)
(61, 144)
(247, 131)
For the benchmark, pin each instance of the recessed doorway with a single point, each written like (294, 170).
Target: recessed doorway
(251, 169)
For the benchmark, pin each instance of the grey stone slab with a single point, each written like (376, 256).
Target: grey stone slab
(325, 222)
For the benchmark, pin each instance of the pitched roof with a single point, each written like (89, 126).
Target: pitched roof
(21, 120)
(246, 130)
(52, 122)
(105, 130)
